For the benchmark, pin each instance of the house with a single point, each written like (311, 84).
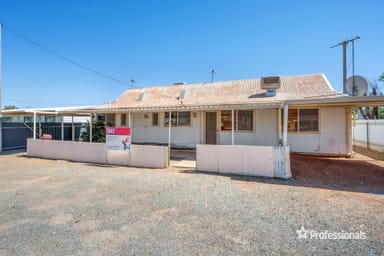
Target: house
(303, 112)
(246, 127)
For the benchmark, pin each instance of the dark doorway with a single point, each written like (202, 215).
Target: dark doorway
(210, 127)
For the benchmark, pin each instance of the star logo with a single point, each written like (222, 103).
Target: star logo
(302, 233)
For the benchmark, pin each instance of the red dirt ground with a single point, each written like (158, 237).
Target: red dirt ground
(362, 173)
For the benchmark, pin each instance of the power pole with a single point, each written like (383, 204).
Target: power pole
(344, 44)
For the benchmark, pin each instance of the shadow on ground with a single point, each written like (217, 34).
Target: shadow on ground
(353, 175)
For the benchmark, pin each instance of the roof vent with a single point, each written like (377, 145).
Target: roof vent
(183, 94)
(179, 83)
(142, 96)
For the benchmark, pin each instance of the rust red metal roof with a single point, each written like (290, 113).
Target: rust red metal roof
(237, 92)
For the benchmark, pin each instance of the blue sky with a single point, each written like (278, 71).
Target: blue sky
(162, 42)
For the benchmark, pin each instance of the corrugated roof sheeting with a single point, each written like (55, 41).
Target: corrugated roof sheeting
(223, 92)
(305, 89)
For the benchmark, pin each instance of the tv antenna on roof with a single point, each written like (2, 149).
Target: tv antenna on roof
(132, 83)
(344, 44)
(212, 74)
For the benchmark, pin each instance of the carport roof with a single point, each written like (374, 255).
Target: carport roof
(49, 111)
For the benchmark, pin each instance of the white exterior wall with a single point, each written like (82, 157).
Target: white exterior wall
(183, 136)
(244, 160)
(265, 133)
(369, 134)
(332, 138)
(140, 155)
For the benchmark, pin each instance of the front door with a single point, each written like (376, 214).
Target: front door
(210, 127)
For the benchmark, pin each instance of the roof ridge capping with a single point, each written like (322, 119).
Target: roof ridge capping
(327, 82)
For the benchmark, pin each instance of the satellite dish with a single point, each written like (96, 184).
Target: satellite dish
(356, 86)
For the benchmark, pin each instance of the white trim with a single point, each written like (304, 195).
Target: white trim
(169, 135)
(34, 125)
(279, 132)
(285, 127)
(62, 128)
(233, 127)
(90, 129)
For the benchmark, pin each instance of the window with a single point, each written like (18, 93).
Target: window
(226, 120)
(243, 120)
(309, 120)
(50, 119)
(123, 119)
(155, 119)
(184, 118)
(27, 119)
(173, 118)
(178, 118)
(292, 120)
(303, 120)
(110, 120)
(6, 119)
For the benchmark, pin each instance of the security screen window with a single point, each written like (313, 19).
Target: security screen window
(173, 118)
(245, 120)
(184, 118)
(155, 119)
(309, 120)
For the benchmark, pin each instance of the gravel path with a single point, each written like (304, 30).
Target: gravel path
(61, 208)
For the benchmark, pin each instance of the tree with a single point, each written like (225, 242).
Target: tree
(381, 77)
(10, 107)
(373, 89)
(98, 132)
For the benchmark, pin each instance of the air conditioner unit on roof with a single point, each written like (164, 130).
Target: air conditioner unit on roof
(270, 82)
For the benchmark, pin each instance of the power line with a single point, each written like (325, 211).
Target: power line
(62, 57)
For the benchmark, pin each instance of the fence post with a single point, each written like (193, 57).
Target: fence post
(34, 125)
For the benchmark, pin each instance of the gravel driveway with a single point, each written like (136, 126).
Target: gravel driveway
(62, 208)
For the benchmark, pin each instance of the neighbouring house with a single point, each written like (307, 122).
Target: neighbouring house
(303, 112)
(17, 125)
(44, 115)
